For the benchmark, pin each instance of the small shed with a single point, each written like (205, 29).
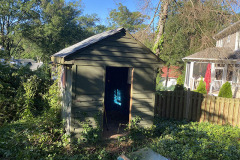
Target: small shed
(107, 78)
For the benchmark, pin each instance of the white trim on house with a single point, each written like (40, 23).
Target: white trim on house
(237, 42)
(191, 82)
(213, 73)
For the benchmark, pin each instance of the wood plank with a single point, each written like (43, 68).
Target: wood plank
(173, 99)
(89, 80)
(225, 110)
(143, 114)
(185, 105)
(176, 106)
(203, 106)
(119, 49)
(221, 110)
(143, 80)
(194, 107)
(211, 110)
(168, 106)
(200, 99)
(160, 105)
(142, 101)
(207, 109)
(230, 111)
(90, 97)
(190, 99)
(238, 115)
(142, 109)
(108, 53)
(105, 58)
(80, 111)
(180, 114)
(118, 44)
(115, 64)
(121, 39)
(156, 110)
(87, 103)
(235, 112)
(216, 112)
(164, 105)
(140, 95)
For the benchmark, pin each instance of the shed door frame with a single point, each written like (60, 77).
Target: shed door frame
(131, 71)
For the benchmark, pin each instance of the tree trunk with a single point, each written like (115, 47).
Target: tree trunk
(161, 23)
(167, 76)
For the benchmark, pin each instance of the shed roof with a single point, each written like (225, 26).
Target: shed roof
(228, 31)
(215, 53)
(66, 52)
(87, 42)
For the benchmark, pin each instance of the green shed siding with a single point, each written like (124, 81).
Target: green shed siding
(88, 73)
(87, 102)
(143, 95)
(121, 52)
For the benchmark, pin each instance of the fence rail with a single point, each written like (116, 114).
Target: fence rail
(197, 107)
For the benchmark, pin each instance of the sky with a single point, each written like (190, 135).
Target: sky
(103, 7)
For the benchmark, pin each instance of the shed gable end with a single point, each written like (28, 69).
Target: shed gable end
(120, 47)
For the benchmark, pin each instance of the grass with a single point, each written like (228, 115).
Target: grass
(44, 138)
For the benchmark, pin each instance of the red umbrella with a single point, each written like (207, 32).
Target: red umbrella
(207, 78)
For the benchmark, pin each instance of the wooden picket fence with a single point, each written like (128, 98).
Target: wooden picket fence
(197, 107)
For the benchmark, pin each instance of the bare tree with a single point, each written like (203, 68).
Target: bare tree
(161, 23)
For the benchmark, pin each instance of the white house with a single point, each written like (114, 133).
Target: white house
(224, 60)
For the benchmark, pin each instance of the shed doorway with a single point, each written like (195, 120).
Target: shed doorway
(117, 99)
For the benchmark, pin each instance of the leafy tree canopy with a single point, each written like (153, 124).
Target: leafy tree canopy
(190, 27)
(39, 28)
(123, 17)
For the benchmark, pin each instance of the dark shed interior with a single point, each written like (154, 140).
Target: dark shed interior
(117, 96)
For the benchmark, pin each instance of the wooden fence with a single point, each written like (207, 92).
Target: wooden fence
(197, 107)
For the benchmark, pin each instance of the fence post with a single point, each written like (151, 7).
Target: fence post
(188, 103)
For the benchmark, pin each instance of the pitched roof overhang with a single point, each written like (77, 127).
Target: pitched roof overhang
(61, 56)
(228, 31)
(214, 54)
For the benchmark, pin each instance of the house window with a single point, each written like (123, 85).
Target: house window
(220, 43)
(219, 74)
(219, 65)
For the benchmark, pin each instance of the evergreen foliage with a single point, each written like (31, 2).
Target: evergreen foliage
(201, 87)
(123, 17)
(225, 90)
(180, 84)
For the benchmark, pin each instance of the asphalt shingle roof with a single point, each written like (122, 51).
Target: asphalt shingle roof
(215, 53)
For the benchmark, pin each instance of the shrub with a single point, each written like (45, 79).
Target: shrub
(193, 140)
(179, 86)
(225, 90)
(22, 92)
(201, 87)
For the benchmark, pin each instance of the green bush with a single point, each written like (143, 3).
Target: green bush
(201, 87)
(180, 84)
(225, 90)
(22, 92)
(193, 140)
